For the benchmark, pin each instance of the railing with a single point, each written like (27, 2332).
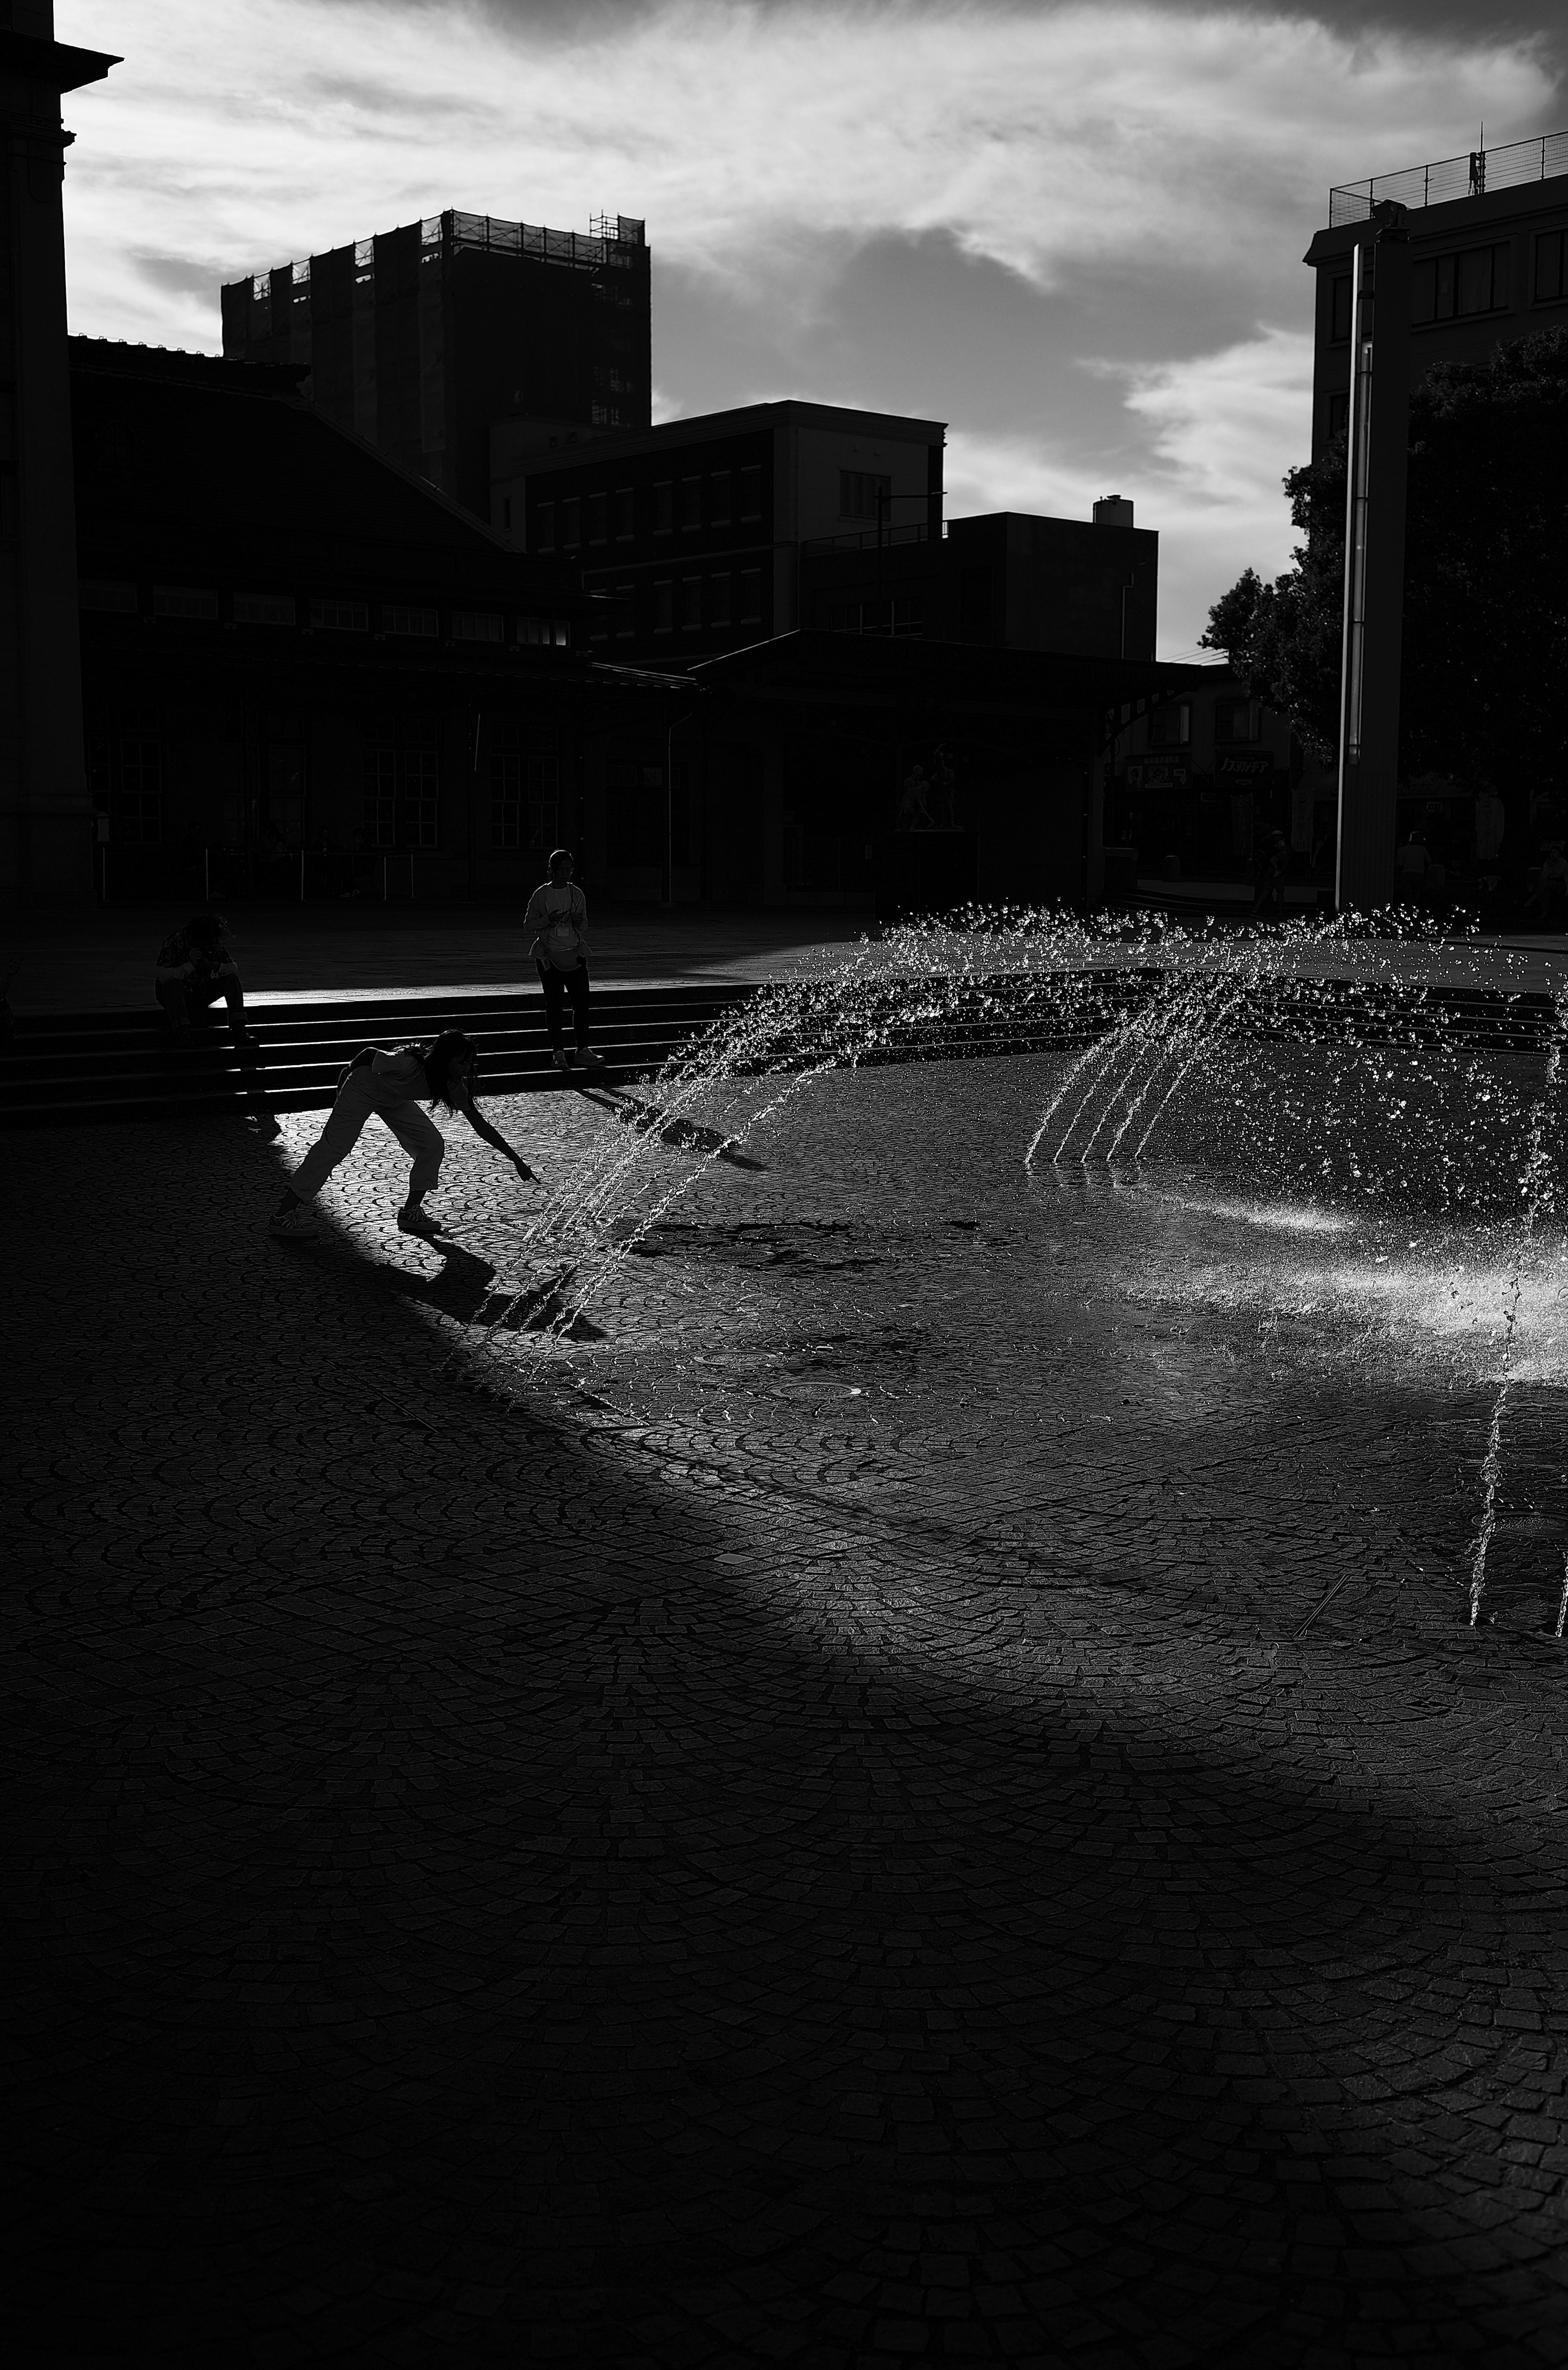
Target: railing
(868, 539)
(1454, 177)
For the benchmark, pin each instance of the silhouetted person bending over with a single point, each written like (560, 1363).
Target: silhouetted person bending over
(195, 968)
(558, 915)
(390, 1086)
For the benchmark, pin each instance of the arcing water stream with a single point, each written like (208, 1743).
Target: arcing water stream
(1315, 1066)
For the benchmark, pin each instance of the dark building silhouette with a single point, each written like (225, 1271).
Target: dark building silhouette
(45, 822)
(1005, 580)
(419, 337)
(1489, 262)
(689, 535)
(306, 671)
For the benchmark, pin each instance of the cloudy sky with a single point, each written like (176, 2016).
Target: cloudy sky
(1073, 231)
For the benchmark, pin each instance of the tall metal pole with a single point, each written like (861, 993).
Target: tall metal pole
(1376, 471)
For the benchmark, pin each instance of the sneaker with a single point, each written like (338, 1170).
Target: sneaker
(246, 1041)
(417, 1222)
(293, 1225)
(591, 1060)
(559, 1059)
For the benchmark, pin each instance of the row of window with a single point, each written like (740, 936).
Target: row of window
(723, 498)
(201, 602)
(1235, 720)
(686, 605)
(1473, 280)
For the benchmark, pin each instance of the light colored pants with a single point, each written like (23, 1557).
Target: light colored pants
(359, 1099)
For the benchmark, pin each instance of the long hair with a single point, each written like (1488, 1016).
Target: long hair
(438, 1060)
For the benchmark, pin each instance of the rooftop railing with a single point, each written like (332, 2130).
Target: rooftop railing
(1454, 177)
(865, 539)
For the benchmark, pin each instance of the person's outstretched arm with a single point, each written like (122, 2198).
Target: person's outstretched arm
(492, 1135)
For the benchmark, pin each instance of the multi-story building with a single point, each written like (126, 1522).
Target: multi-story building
(1082, 587)
(689, 535)
(419, 337)
(1489, 262)
(1199, 779)
(305, 671)
(44, 815)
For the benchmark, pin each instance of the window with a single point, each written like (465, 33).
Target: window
(896, 614)
(1234, 719)
(263, 609)
(419, 809)
(1339, 308)
(121, 598)
(604, 415)
(570, 523)
(525, 788)
(545, 528)
(1444, 287)
(664, 506)
(751, 596)
(426, 622)
(183, 601)
(381, 788)
(861, 494)
(751, 493)
(636, 819)
(626, 609)
(718, 598)
(403, 784)
(1551, 266)
(541, 632)
(719, 498)
(1171, 726)
(691, 602)
(1338, 414)
(507, 513)
(477, 625)
(664, 607)
(691, 503)
(598, 518)
(136, 806)
(623, 512)
(341, 617)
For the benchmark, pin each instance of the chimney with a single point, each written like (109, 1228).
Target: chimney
(1112, 511)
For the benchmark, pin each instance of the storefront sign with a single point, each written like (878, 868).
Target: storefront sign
(1159, 772)
(1232, 765)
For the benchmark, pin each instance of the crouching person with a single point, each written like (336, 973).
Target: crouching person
(195, 968)
(391, 1087)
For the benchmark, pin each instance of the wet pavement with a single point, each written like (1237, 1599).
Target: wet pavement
(905, 1779)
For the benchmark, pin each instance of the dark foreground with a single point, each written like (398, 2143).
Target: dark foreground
(928, 1798)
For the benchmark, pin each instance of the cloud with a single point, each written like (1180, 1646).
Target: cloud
(1208, 478)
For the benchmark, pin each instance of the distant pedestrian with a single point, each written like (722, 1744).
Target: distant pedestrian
(558, 916)
(1271, 874)
(1550, 891)
(390, 1086)
(195, 968)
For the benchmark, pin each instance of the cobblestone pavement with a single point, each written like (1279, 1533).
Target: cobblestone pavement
(917, 1788)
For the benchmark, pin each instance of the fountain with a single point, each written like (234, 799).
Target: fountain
(1309, 1081)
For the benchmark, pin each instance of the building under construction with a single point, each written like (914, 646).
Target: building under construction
(419, 337)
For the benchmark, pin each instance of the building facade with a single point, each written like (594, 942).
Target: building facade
(419, 337)
(44, 815)
(1198, 781)
(689, 535)
(305, 672)
(1488, 262)
(1004, 579)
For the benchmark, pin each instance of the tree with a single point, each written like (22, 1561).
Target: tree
(1485, 654)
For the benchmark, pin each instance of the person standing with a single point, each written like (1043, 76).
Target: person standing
(195, 968)
(558, 916)
(390, 1086)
